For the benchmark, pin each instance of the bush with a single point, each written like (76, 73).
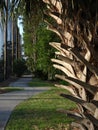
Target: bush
(19, 67)
(41, 74)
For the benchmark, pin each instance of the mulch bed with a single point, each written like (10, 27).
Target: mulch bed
(2, 91)
(6, 83)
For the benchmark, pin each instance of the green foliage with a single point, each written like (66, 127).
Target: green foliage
(38, 51)
(19, 67)
(36, 39)
(44, 52)
(64, 83)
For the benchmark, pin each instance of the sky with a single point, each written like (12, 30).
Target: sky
(20, 25)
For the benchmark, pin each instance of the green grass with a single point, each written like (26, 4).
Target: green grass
(9, 89)
(40, 83)
(40, 112)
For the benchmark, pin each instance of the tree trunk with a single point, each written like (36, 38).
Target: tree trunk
(17, 42)
(76, 25)
(5, 41)
(12, 41)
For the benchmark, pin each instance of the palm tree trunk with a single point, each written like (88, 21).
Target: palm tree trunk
(76, 57)
(17, 31)
(5, 41)
(12, 41)
(19, 46)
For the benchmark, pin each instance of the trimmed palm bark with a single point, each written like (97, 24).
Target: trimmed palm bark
(75, 22)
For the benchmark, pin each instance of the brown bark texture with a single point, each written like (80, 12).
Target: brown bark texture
(75, 22)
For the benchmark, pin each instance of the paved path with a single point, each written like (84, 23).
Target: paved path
(8, 101)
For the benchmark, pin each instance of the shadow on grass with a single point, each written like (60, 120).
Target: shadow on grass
(40, 83)
(42, 118)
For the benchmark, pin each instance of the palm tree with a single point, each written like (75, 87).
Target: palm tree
(5, 38)
(15, 32)
(7, 8)
(76, 23)
(12, 41)
(17, 42)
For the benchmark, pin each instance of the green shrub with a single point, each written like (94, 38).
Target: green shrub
(19, 67)
(41, 74)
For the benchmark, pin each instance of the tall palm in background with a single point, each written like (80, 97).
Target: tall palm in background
(76, 23)
(32, 17)
(7, 8)
(15, 32)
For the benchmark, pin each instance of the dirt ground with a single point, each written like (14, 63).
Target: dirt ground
(8, 81)
(6, 84)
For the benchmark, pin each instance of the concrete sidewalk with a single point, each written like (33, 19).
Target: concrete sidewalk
(8, 101)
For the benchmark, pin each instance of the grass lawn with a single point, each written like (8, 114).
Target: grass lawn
(9, 89)
(40, 112)
(40, 83)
